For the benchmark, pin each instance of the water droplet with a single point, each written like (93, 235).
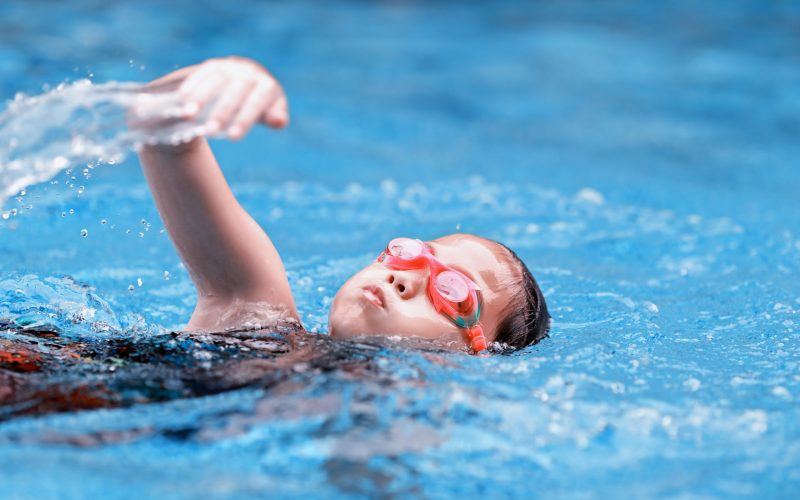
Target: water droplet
(84, 233)
(103, 221)
(139, 281)
(131, 288)
(63, 214)
(71, 211)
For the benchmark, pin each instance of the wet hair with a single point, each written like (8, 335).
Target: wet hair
(525, 320)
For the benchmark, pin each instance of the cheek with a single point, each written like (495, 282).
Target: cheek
(346, 317)
(418, 318)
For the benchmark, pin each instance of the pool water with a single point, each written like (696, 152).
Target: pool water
(641, 158)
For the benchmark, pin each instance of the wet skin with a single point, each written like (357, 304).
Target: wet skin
(382, 301)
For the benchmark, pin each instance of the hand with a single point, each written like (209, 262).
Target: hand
(229, 95)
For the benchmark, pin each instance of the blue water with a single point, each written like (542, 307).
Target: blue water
(642, 158)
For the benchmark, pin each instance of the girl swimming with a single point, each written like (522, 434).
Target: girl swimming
(460, 290)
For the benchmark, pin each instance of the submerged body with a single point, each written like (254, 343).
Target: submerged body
(43, 371)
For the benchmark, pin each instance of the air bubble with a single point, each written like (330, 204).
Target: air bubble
(166, 275)
(103, 221)
(84, 233)
(131, 288)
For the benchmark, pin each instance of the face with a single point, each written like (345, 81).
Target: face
(381, 301)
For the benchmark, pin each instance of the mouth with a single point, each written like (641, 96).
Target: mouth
(374, 295)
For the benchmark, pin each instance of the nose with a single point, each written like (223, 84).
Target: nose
(407, 284)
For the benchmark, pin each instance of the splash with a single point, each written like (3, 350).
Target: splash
(82, 123)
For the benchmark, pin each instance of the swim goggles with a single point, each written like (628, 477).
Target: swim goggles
(452, 293)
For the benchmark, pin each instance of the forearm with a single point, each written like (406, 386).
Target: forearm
(233, 263)
(227, 254)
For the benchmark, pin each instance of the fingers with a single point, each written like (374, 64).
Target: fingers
(277, 115)
(202, 86)
(253, 107)
(232, 94)
(228, 105)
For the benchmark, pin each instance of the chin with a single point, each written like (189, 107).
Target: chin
(350, 327)
(346, 318)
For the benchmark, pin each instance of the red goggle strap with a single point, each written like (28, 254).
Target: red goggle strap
(476, 338)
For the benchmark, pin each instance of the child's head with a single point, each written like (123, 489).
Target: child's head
(381, 300)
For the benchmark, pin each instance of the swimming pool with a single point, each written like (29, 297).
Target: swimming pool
(640, 158)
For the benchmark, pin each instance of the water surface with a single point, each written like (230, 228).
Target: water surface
(640, 158)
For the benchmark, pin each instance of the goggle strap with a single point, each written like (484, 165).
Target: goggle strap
(476, 338)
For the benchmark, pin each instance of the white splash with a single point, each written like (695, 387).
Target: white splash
(85, 123)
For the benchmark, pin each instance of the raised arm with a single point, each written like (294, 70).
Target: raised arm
(237, 270)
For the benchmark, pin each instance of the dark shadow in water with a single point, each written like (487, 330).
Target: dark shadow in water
(43, 371)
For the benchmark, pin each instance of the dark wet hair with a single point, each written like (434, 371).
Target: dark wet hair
(526, 320)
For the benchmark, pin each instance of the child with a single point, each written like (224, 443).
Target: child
(461, 290)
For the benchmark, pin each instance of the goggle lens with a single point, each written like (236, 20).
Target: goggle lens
(452, 286)
(405, 248)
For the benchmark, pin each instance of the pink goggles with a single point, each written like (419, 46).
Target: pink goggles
(452, 293)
